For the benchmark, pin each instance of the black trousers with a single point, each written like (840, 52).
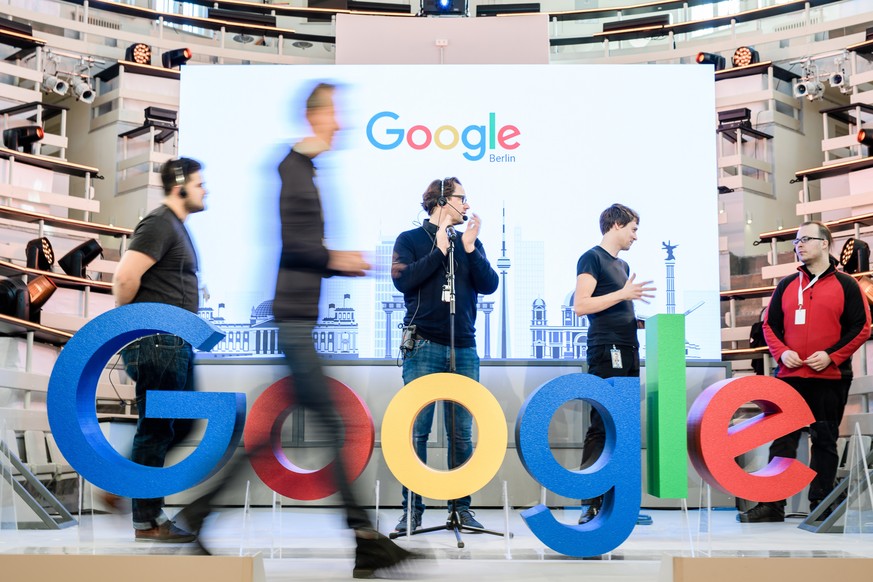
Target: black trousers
(600, 364)
(827, 401)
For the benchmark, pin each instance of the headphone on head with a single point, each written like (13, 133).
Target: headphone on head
(442, 201)
(180, 177)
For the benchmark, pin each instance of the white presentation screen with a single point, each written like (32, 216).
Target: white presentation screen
(541, 151)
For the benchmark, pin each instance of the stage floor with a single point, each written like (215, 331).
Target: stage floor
(312, 544)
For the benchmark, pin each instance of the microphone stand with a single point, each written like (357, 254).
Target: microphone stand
(453, 523)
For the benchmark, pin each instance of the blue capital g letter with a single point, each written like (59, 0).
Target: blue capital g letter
(72, 412)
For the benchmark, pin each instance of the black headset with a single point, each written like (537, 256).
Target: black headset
(442, 201)
(180, 177)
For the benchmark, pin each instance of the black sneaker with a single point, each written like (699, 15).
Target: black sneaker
(416, 522)
(377, 556)
(589, 512)
(763, 513)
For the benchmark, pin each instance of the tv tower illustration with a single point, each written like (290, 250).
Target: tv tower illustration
(503, 266)
(671, 285)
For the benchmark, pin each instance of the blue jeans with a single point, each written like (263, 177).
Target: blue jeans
(157, 362)
(429, 358)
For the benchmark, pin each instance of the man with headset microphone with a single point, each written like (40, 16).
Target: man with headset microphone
(419, 270)
(160, 266)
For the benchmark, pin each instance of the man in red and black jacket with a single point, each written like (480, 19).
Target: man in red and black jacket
(816, 319)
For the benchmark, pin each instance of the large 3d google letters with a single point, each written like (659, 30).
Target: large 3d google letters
(714, 443)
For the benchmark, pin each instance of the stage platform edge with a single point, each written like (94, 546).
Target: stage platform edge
(131, 568)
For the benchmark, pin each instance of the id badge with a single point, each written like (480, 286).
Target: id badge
(616, 358)
(800, 317)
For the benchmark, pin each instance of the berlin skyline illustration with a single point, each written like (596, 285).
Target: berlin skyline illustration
(337, 333)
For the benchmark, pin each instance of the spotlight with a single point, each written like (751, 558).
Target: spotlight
(75, 261)
(40, 254)
(444, 7)
(19, 138)
(865, 138)
(809, 88)
(53, 84)
(839, 80)
(82, 91)
(176, 58)
(139, 53)
(745, 56)
(855, 256)
(717, 61)
(14, 298)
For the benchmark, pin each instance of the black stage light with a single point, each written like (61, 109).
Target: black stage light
(175, 58)
(18, 138)
(444, 7)
(745, 56)
(717, 61)
(14, 298)
(865, 137)
(38, 291)
(75, 261)
(855, 256)
(160, 116)
(730, 117)
(40, 254)
(139, 53)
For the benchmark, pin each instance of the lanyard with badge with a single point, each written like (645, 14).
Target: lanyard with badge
(800, 314)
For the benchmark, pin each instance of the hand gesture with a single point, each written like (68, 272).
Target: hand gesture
(642, 291)
(348, 263)
(471, 233)
(791, 359)
(818, 361)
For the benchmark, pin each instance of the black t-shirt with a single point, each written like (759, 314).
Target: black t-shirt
(617, 324)
(173, 278)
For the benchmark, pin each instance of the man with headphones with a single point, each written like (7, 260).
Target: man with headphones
(160, 266)
(419, 271)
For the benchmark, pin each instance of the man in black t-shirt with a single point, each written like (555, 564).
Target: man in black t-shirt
(160, 266)
(605, 291)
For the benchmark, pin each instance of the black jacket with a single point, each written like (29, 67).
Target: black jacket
(304, 257)
(419, 272)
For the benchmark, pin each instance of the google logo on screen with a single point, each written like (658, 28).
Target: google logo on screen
(384, 134)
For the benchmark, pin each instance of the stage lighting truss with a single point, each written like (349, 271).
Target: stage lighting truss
(75, 78)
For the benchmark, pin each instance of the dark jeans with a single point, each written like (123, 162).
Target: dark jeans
(600, 364)
(827, 401)
(429, 358)
(157, 362)
(312, 394)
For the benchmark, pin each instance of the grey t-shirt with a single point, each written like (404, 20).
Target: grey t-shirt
(173, 278)
(617, 324)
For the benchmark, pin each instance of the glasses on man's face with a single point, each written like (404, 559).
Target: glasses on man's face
(805, 239)
(463, 198)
